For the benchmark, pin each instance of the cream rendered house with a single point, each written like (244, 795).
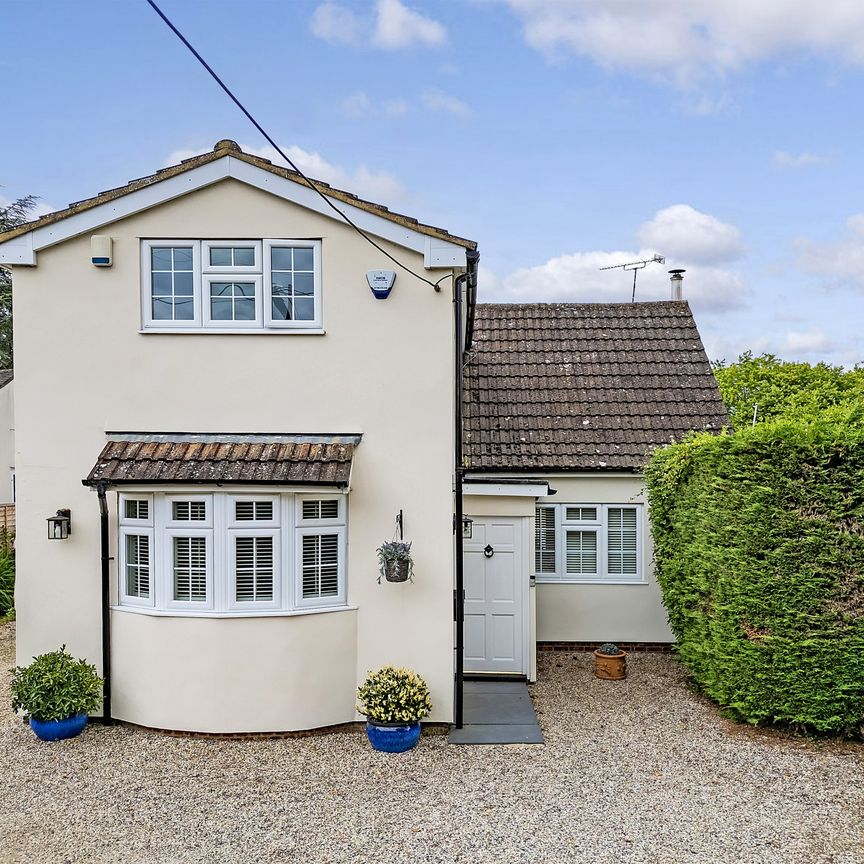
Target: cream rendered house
(202, 349)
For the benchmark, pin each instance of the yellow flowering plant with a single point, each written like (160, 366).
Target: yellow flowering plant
(393, 695)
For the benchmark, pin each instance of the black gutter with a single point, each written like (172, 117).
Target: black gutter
(106, 608)
(468, 278)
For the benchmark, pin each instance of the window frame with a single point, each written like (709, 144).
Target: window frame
(129, 526)
(320, 529)
(220, 528)
(601, 526)
(147, 285)
(317, 300)
(204, 274)
(207, 279)
(208, 268)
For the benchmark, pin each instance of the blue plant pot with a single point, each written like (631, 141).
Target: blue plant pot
(57, 730)
(393, 739)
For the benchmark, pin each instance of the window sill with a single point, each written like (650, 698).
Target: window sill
(262, 613)
(225, 331)
(541, 581)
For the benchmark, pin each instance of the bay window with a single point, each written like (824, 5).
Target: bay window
(224, 553)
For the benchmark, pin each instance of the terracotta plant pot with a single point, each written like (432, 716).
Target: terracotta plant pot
(610, 667)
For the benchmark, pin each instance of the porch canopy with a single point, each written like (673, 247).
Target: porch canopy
(140, 458)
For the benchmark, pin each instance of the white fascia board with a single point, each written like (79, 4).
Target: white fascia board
(18, 250)
(513, 490)
(23, 249)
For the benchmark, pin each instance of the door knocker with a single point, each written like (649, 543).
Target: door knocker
(488, 551)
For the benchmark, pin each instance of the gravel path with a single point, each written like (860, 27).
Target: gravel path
(633, 772)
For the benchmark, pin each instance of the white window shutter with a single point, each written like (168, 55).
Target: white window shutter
(544, 541)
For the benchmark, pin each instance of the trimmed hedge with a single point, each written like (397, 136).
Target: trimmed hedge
(759, 548)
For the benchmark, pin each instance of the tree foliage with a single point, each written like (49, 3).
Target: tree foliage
(11, 216)
(782, 389)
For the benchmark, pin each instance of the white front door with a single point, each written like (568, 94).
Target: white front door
(496, 589)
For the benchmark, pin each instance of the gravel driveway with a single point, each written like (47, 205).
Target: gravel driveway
(637, 771)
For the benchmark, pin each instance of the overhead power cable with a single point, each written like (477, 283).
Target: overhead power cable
(311, 183)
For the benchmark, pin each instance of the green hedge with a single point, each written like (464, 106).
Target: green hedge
(759, 546)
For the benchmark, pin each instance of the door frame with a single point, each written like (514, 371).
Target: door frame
(523, 524)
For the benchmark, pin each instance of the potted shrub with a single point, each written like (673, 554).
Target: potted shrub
(395, 562)
(57, 692)
(610, 662)
(393, 702)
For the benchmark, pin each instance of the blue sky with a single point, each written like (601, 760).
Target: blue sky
(562, 135)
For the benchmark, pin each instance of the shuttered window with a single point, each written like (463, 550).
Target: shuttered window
(253, 511)
(137, 566)
(588, 543)
(622, 541)
(228, 554)
(189, 511)
(320, 509)
(254, 569)
(545, 541)
(319, 566)
(581, 553)
(190, 569)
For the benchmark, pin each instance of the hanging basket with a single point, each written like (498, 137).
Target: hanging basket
(397, 571)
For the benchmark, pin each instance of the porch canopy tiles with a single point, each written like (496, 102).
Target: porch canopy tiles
(276, 460)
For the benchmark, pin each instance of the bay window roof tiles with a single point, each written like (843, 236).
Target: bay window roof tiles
(584, 386)
(159, 459)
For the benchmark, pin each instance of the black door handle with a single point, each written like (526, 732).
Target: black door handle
(488, 551)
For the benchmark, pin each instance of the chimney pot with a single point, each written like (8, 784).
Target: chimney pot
(677, 278)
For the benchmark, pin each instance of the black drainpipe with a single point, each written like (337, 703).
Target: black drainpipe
(106, 607)
(469, 278)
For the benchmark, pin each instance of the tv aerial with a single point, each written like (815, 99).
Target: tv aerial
(636, 266)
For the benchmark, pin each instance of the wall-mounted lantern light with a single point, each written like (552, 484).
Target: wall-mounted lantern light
(60, 526)
(467, 527)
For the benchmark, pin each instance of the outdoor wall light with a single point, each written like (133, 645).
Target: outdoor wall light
(467, 527)
(60, 526)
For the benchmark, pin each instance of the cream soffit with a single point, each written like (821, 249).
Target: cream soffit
(21, 249)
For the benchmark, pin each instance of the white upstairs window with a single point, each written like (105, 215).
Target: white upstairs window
(224, 286)
(589, 543)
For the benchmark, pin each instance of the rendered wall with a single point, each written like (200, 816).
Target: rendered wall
(602, 613)
(384, 369)
(7, 442)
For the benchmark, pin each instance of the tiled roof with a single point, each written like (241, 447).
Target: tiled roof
(282, 460)
(561, 386)
(6, 375)
(230, 148)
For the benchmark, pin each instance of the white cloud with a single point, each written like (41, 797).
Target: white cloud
(806, 342)
(358, 106)
(798, 160)
(435, 100)
(682, 232)
(379, 186)
(840, 263)
(687, 43)
(334, 23)
(393, 26)
(397, 26)
(577, 278)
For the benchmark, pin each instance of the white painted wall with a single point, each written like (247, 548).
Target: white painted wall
(602, 613)
(7, 442)
(384, 368)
